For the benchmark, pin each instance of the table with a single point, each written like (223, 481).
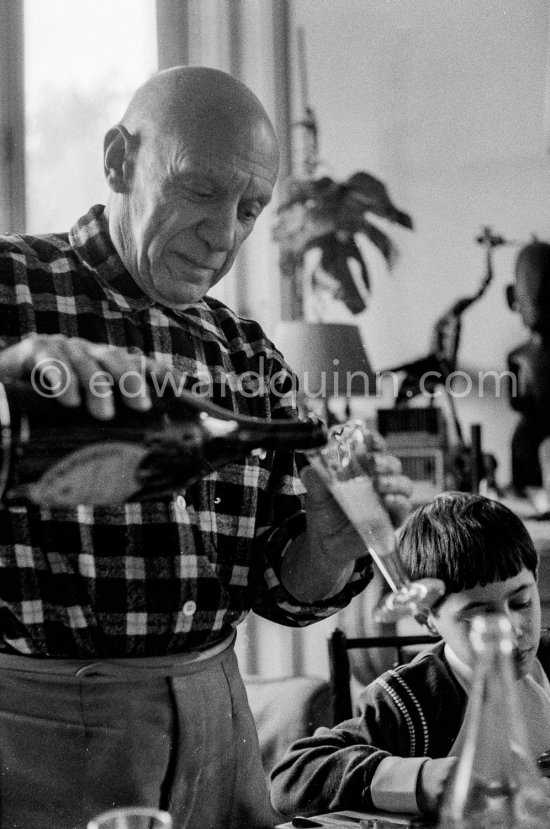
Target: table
(359, 820)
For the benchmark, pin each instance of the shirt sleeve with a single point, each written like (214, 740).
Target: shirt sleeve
(274, 601)
(326, 772)
(284, 520)
(337, 768)
(394, 783)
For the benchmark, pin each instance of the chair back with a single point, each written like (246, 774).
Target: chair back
(543, 653)
(340, 673)
(405, 648)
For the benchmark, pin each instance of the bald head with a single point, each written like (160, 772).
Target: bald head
(191, 102)
(190, 167)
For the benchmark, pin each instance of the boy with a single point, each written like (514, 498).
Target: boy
(398, 753)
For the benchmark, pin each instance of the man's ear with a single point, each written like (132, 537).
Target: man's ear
(511, 297)
(118, 149)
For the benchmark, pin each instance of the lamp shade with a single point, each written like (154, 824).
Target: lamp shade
(329, 358)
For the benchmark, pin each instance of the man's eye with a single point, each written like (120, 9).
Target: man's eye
(250, 214)
(196, 191)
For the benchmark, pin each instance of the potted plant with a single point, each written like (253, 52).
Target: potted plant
(318, 221)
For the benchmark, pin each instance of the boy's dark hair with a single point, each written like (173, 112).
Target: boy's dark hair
(466, 540)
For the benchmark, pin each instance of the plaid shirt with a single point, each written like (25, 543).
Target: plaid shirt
(151, 578)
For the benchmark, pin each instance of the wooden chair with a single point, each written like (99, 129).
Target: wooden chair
(339, 644)
(405, 648)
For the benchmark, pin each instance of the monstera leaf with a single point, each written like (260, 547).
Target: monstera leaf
(327, 214)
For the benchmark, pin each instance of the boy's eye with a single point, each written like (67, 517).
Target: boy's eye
(466, 618)
(520, 605)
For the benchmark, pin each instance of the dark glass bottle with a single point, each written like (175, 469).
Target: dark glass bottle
(58, 456)
(496, 783)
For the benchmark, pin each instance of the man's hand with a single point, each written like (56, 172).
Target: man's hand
(431, 782)
(318, 564)
(73, 370)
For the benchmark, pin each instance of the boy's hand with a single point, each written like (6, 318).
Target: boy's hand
(431, 782)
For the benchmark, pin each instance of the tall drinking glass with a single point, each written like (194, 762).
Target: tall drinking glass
(136, 817)
(343, 464)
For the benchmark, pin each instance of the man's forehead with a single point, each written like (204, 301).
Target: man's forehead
(251, 143)
(227, 163)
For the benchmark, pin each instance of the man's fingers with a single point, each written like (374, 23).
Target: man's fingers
(396, 484)
(395, 492)
(376, 462)
(374, 442)
(70, 369)
(382, 463)
(398, 507)
(52, 373)
(94, 380)
(128, 374)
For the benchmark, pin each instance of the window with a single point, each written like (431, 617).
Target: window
(82, 62)
(67, 71)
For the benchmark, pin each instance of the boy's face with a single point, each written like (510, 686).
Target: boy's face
(517, 597)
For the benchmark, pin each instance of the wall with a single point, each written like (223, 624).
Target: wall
(248, 39)
(446, 102)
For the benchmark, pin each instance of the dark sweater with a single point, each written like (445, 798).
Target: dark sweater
(415, 710)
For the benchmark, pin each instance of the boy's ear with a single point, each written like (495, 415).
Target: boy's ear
(431, 625)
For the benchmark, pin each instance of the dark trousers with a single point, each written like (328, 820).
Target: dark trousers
(75, 742)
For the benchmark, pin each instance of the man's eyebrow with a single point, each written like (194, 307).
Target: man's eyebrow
(472, 605)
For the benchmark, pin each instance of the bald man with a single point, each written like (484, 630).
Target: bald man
(118, 680)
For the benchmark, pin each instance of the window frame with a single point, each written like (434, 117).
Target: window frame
(249, 39)
(12, 118)
(172, 41)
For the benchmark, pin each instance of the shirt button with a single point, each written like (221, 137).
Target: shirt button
(189, 608)
(180, 501)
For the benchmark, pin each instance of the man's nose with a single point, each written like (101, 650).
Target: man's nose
(218, 228)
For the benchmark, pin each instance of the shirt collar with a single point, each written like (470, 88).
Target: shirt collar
(461, 671)
(91, 242)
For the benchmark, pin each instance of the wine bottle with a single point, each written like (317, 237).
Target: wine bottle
(54, 455)
(496, 783)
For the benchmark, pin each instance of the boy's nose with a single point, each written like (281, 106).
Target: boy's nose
(517, 626)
